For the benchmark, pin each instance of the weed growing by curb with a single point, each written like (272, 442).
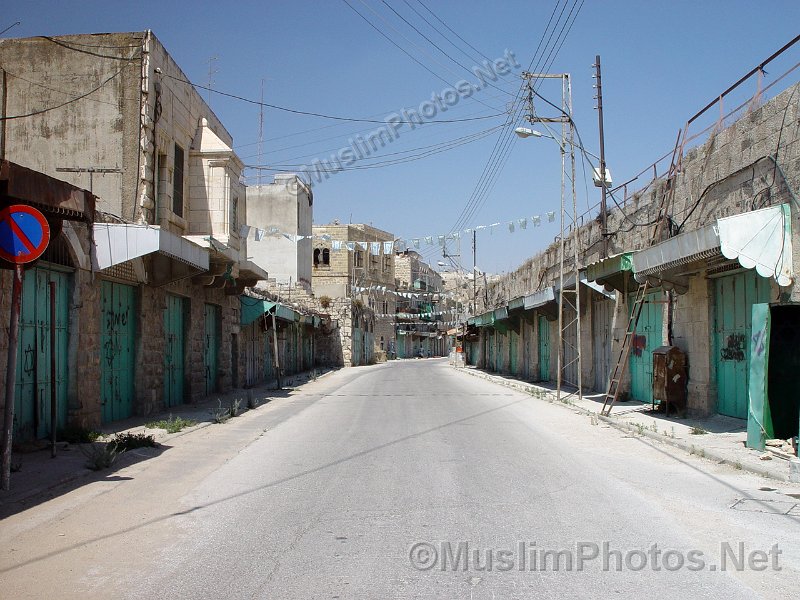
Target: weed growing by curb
(122, 442)
(219, 414)
(698, 431)
(100, 456)
(172, 424)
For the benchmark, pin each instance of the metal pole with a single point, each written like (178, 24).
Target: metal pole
(53, 387)
(474, 273)
(562, 240)
(11, 372)
(275, 348)
(603, 188)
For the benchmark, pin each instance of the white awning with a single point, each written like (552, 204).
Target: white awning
(116, 243)
(760, 239)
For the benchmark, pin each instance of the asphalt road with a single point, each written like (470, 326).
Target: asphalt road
(409, 480)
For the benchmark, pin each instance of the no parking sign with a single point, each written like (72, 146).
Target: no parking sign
(24, 234)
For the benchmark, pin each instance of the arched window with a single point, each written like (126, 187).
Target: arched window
(326, 256)
(316, 256)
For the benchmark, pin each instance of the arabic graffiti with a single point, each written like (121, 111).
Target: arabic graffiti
(734, 347)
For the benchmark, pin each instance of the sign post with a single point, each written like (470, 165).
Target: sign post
(24, 236)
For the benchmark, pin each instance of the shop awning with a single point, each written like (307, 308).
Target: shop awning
(759, 239)
(52, 196)
(251, 273)
(254, 308)
(612, 273)
(540, 298)
(116, 243)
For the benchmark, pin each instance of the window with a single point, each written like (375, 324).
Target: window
(358, 258)
(161, 183)
(387, 263)
(177, 182)
(233, 216)
(316, 256)
(326, 256)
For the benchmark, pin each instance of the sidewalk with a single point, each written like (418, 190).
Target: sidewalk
(718, 438)
(39, 473)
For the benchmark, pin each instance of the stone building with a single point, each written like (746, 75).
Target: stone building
(421, 307)
(152, 292)
(357, 262)
(729, 243)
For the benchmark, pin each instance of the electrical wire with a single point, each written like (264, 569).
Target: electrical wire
(322, 115)
(71, 100)
(439, 48)
(503, 145)
(450, 146)
(469, 136)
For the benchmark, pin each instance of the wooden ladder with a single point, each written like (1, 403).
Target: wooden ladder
(620, 367)
(618, 372)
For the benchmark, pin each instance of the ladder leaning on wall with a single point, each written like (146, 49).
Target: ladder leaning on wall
(620, 366)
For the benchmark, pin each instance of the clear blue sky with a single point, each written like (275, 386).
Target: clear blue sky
(662, 61)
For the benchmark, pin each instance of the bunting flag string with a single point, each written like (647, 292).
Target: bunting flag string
(377, 248)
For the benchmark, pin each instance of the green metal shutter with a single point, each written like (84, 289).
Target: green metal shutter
(646, 339)
(544, 348)
(174, 350)
(734, 297)
(118, 360)
(33, 376)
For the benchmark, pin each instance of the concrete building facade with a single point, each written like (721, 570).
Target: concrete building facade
(284, 206)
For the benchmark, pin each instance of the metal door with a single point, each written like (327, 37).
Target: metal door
(570, 356)
(513, 352)
(544, 348)
(174, 350)
(490, 349)
(646, 339)
(32, 392)
(211, 346)
(117, 363)
(734, 297)
(602, 316)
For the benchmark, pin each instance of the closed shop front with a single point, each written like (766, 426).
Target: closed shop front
(118, 351)
(734, 297)
(34, 377)
(602, 315)
(544, 348)
(174, 350)
(646, 338)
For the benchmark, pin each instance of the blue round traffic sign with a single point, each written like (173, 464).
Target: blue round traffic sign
(24, 234)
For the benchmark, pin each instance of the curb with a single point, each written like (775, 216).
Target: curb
(76, 475)
(627, 428)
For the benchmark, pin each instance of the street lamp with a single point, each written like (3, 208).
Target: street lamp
(525, 132)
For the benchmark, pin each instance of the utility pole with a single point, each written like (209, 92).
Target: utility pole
(474, 273)
(260, 132)
(603, 186)
(569, 298)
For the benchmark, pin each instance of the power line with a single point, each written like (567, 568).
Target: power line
(445, 147)
(321, 115)
(478, 133)
(71, 100)
(439, 48)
